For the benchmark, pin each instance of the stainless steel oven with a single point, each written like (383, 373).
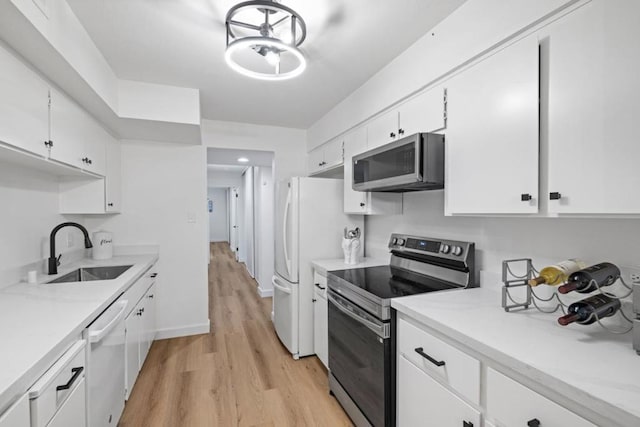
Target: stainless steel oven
(362, 360)
(413, 163)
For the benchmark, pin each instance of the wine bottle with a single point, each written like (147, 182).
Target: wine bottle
(586, 311)
(557, 273)
(584, 281)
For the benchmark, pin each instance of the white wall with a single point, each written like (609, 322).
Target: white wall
(29, 212)
(289, 145)
(265, 205)
(224, 179)
(164, 203)
(218, 219)
(247, 226)
(544, 240)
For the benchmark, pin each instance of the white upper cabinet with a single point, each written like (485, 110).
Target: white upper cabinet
(383, 129)
(422, 113)
(113, 180)
(24, 108)
(492, 134)
(594, 106)
(327, 156)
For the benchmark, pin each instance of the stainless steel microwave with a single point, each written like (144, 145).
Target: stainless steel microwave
(413, 163)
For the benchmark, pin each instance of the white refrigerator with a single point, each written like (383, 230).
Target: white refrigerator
(310, 220)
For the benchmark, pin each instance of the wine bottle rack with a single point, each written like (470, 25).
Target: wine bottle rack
(516, 274)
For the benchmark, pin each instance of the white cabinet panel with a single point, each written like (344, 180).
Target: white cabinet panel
(148, 305)
(113, 179)
(25, 106)
(492, 134)
(511, 404)
(423, 113)
(333, 153)
(593, 109)
(68, 130)
(73, 411)
(133, 328)
(423, 401)
(95, 146)
(382, 129)
(17, 415)
(320, 328)
(315, 158)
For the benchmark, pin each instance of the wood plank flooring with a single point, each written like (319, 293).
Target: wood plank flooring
(237, 375)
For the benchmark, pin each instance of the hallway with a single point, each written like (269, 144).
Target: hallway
(239, 374)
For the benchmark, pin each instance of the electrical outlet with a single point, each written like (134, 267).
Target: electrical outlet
(70, 241)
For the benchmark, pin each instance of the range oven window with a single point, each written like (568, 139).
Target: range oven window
(397, 161)
(357, 357)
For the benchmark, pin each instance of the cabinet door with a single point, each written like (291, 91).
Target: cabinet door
(423, 401)
(95, 146)
(594, 109)
(113, 179)
(315, 159)
(25, 106)
(423, 113)
(133, 328)
(148, 323)
(68, 130)
(17, 415)
(354, 143)
(73, 411)
(492, 134)
(382, 129)
(320, 328)
(333, 153)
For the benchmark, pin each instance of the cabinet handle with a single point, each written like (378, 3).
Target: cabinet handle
(110, 205)
(153, 275)
(392, 135)
(362, 205)
(421, 352)
(150, 296)
(314, 300)
(401, 131)
(322, 288)
(76, 373)
(90, 161)
(467, 424)
(48, 143)
(533, 423)
(139, 313)
(555, 196)
(525, 197)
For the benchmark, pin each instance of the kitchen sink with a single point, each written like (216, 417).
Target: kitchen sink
(92, 273)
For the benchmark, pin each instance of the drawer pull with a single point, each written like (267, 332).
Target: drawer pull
(533, 423)
(467, 424)
(76, 373)
(322, 288)
(153, 275)
(421, 352)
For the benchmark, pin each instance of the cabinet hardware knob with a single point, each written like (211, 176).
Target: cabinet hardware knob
(401, 131)
(533, 423)
(85, 160)
(362, 205)
(89, 161)
(48, 144)
(322, 288)
(467, 424)
(314, 300)
(153, 275)
(151, 296)
(555, 196)
(392, 135)
(525, 197)
(421, 352)
(110, 204)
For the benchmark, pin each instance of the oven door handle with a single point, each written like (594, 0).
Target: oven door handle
(381, 330)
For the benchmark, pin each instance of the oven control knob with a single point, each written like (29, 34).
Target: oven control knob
(400, 242)
(456, 250)
(445, 249)
(394, 241)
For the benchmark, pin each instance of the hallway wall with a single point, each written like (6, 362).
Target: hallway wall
(218, 218)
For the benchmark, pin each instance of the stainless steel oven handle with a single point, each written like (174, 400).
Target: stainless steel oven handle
(381, 330)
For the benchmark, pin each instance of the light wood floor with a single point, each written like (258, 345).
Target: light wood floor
(238, 375)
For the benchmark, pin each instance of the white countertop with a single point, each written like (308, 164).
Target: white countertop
(38, 322)
(325, 265)
(586, 364)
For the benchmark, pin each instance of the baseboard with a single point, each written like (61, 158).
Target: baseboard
(202, 328)
(265, 293)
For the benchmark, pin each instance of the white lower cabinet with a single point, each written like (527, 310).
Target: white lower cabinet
(17, 415)
(72, 412)
(320, 319)
(422, 401)
(510, 403)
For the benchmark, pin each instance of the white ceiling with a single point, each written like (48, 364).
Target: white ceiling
(223, 156)
(182, 42)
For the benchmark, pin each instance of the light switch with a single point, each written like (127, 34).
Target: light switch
(191, 217)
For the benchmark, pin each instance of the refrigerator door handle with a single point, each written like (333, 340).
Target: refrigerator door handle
(287, 206)
(274, 281)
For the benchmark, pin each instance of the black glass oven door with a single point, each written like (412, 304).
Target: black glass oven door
(359, 347)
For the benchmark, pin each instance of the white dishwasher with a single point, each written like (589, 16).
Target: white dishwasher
(58, 398)
(106, 361)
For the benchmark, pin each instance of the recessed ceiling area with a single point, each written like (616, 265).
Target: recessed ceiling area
(222, 156)
(182, 43)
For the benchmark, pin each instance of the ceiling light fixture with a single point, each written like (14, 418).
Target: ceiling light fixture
(243, 159)
(263, 38)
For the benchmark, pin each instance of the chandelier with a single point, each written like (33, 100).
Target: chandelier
(263, 38)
